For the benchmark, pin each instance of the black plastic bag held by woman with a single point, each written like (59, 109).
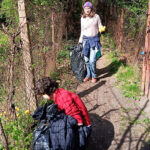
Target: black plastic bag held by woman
(77, 62)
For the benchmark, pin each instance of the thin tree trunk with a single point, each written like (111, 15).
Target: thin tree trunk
(147, 79)
(3, 137)
(11, 79)
(51, 57)
(53, 37)
(121, 28)
(27, 57)
(148, 60)
(61, 16)
(66, 33)
(147, 49)
(111, 11)
(11, 39)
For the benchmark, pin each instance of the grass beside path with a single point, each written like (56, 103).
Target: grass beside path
(128, 76)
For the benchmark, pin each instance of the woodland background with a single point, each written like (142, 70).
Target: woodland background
(50, 28)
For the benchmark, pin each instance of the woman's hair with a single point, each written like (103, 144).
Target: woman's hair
(92, 13)
(45, 86)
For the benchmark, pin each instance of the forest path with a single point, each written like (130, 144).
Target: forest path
(115, 119)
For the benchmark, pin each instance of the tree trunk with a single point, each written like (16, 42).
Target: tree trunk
(148, 57)
(121, 28)
(51, 56)
(11, 39)
(27, 57)
(53, 41)
(146, 61)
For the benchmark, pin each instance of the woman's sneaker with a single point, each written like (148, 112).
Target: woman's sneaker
(86, 79)
(94, 80)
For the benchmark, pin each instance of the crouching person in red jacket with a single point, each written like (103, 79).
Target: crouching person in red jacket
(67, 101)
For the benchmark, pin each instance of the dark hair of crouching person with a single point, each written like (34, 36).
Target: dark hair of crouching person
(45, 86)
(67, 101)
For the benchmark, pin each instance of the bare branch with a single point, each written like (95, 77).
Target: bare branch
(5, 30)
(17, 33)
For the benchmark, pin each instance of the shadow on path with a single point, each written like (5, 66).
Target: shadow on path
(109, 112)
(110, 69)
(96, 106)
(102, 133)
(91, 89)
(128, 133)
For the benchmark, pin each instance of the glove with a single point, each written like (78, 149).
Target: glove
(102, 29)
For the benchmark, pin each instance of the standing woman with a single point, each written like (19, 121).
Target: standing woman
(90, 25)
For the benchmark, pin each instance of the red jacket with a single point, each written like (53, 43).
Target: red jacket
(72, 105)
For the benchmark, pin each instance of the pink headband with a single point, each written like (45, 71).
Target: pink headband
(88, 4)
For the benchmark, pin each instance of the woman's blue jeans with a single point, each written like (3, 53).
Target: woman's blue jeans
(90, 62)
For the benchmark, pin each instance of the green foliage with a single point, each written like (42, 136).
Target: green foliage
(135, 16)
(131, 90)
(4, 45)
(50, 3)
(54, 75)
(135, 6)
(1, 146)
(146, 121)
(66, 78)
(112, 55)
(133, 24)
(138, 7)
(109, 42)
(3, 39)
(44, 2)
(8, 12)
(46, 49)
(128, 76)
(133, 121)
(44, 101)
(125, 73)
(3, 93)
(18, 131)
(115, 63)
(62, 55)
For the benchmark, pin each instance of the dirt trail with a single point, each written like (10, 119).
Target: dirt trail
(112, 114)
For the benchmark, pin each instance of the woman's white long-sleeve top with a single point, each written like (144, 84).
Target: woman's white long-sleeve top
(90, 26)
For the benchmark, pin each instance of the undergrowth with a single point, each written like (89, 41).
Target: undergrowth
(128, 80)
(127, 75)
(64, 74)
(20, 131)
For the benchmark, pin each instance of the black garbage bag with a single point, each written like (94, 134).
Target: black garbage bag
(77, 62)
(56, 130)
